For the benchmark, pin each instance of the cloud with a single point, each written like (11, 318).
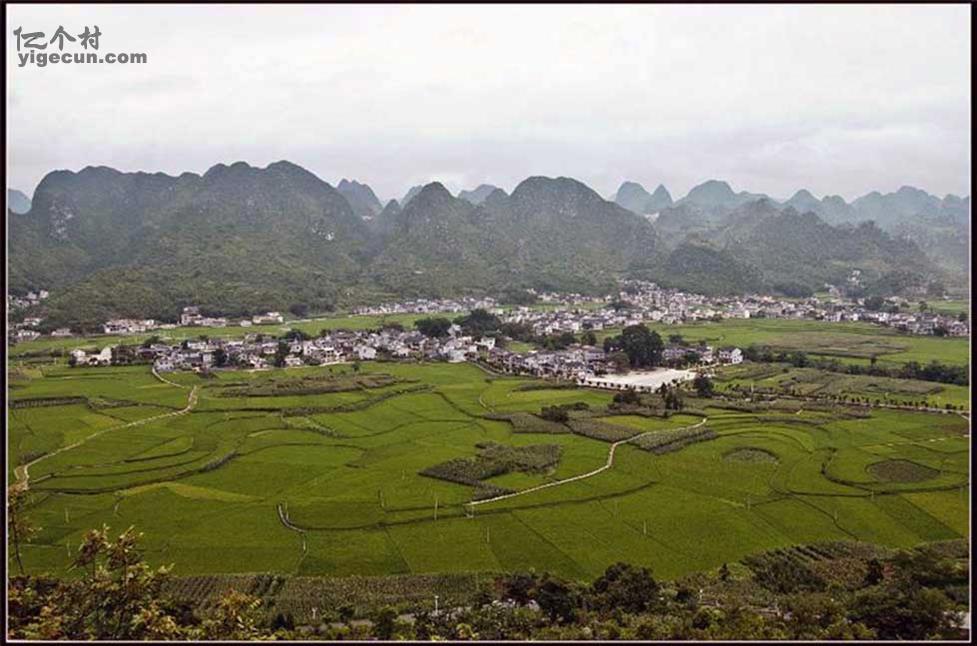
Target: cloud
(837, 99)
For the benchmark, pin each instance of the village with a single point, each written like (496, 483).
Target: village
(581, 364)
(554, 313)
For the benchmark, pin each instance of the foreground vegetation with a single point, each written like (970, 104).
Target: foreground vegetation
(823, 591)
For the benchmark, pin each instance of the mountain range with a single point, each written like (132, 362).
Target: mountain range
(939, 226)
(240, 239)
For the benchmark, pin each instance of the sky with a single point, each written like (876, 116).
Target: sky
(837, 99)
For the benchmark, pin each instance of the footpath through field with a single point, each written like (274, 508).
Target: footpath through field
(21, 471)
(589, 474)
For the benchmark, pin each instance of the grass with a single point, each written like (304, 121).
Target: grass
(845, 341)
(809, 382)
(205, 488)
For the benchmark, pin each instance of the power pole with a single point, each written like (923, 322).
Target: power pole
(435, 508)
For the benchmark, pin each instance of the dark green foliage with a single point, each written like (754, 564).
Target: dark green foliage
(643, 346)
(933, 371)
(629, 396)
(281, 352)
(478, 323)
(668, 441)
(625, 587)
(494, 460)
(315, 384)
(433, 327)
(556, 414)
(703, 385)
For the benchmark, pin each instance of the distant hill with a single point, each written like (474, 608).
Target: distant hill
(17, 201)
(360, 197)
(718, 197)
(414, 190)
(634, 197)
(801, 249)
(478, 195)
(234, 240)
(240, 239)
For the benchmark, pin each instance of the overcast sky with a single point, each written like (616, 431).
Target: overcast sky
(836, 99)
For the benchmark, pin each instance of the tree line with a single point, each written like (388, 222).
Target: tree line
(933, 371)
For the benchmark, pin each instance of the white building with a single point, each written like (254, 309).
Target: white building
(730, 355)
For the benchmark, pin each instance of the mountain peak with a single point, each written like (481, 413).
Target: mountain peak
(478, 195)
(634, 197)
(361, 197)
(803, 194)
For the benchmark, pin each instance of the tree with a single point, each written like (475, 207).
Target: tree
(153, 340)
(703, 385)
(643, 347)
(629, 396)
(555, 414)
(874, 303)
(21, 530)
(117, 598)
(220, 357)
(299, 309)
(281, 352)
(588, 338)
(557, 599)
(479, 322)
(518, 297)
(386, 621)
(295, 334)
(923, 306)
(676, 339)
(627, 587)
(962, 317)
(236, 617)
(619, 360)
(672, 399)
(433, 327)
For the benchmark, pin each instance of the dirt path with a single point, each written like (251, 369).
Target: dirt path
(283, 517)
(589, 474)
(21, 471)
(165, 380)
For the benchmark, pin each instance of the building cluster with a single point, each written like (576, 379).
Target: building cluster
(429, 306)
(30, 299)
(255, 351)
(191, 316)
(643, 302)
(637, 302)
(581, 362)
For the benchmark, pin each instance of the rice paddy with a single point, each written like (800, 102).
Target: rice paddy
(324, 480)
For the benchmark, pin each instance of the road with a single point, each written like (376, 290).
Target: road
(589, 474)
(23, 476)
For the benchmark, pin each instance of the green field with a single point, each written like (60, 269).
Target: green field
(782, 379)
(857, 342)
(209, 488)
(952, 306)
